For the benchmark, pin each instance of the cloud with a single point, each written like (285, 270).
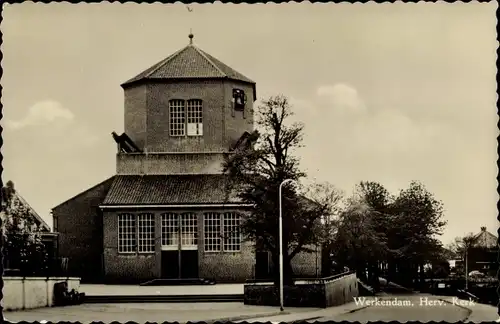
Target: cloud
(52, 123)
(42, 113)
(342, 97)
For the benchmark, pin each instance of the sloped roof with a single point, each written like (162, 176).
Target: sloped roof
(189, 62)
(485, 239)
(169, 190)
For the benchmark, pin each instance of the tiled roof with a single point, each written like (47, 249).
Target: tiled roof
(169, 190)
(189, 62)
(485, 239)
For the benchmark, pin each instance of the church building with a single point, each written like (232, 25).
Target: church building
(165, 214)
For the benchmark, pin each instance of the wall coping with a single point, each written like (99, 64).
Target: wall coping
(319, 281)
(41, 278)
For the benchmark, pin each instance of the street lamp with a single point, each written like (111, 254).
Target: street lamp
(281, 239)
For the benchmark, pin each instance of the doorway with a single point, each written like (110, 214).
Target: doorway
(262, 266)
(179, 257)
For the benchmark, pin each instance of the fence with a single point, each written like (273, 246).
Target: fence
(54, 267)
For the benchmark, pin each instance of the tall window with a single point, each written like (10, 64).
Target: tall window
(212, 232)
(222, 232)
(177, 118)
(126, 233)
(194, 117)
(232, 237)
(170, 230)
(189, 229)
(146, 233)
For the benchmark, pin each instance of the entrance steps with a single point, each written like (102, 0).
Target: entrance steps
(178, 282)
(114, 299)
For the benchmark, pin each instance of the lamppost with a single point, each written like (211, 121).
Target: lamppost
(466, 268)
(281, 238)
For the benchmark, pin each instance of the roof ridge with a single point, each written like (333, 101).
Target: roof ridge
(165, 61)
(32, 210)
(209, 60)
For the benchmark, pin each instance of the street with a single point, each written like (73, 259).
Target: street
(401, 308)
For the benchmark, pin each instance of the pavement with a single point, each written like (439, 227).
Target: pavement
(120, 290)
(148, 312)
(396, 304)
(402, 308)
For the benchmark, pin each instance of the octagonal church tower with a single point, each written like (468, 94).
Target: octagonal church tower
(183, 113)
(167, 213)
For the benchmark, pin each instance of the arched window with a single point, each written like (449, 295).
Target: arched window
(195, 117)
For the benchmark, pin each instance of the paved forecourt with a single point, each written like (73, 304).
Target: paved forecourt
(136, 290)
(148, 312)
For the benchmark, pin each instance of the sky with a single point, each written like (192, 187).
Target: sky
(387, 92)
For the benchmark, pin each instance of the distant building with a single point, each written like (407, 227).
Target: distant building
(483, 254)
(166, 213)
(49, 238)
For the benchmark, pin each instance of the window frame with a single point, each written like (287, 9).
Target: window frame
(169, 226)
(149, 219)
(231, 220)
(130, 235)
(194, 111)
(213, 237)
(219, 233)
(185, 111)
(173, 118)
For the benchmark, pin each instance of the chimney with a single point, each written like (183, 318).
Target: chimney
(483, 229)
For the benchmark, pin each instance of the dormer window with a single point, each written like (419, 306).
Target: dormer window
(239, 99)
(182, 126)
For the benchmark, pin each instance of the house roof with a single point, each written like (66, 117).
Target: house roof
(485, 239)
(189, 63)
(169, 190)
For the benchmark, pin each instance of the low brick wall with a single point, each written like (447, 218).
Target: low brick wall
(325, 292)
(32, 292)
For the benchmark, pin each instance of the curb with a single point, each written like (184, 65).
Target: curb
(469, 311)
(245, 317)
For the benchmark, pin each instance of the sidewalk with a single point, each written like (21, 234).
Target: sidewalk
(149, 312)
(136, 290)
(309, 315)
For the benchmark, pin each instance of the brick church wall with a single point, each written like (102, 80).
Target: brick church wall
(79, 224)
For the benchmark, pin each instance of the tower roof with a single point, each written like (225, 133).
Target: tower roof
(189, 63)
(485, 239)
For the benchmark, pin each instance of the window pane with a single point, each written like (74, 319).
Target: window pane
(232, 236)
(126, 233)
(146, 226)
(212, 228)
(195, 117)
(189, 229)
(177, 118)
(169, 230)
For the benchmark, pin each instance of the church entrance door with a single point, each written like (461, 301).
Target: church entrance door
(179, 246)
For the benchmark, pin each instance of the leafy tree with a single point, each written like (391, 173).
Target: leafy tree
(22, 245)
(357, 242)
(418, 220)
(256, 169)
(378, 198)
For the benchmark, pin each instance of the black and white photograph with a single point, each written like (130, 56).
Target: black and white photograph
(187, 162)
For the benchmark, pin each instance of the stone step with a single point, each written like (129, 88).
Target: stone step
(113, 299)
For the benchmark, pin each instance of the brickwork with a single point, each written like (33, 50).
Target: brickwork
(221, 266)
(159, 163)
(221, 125)
(79, 224)
(135, 114)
